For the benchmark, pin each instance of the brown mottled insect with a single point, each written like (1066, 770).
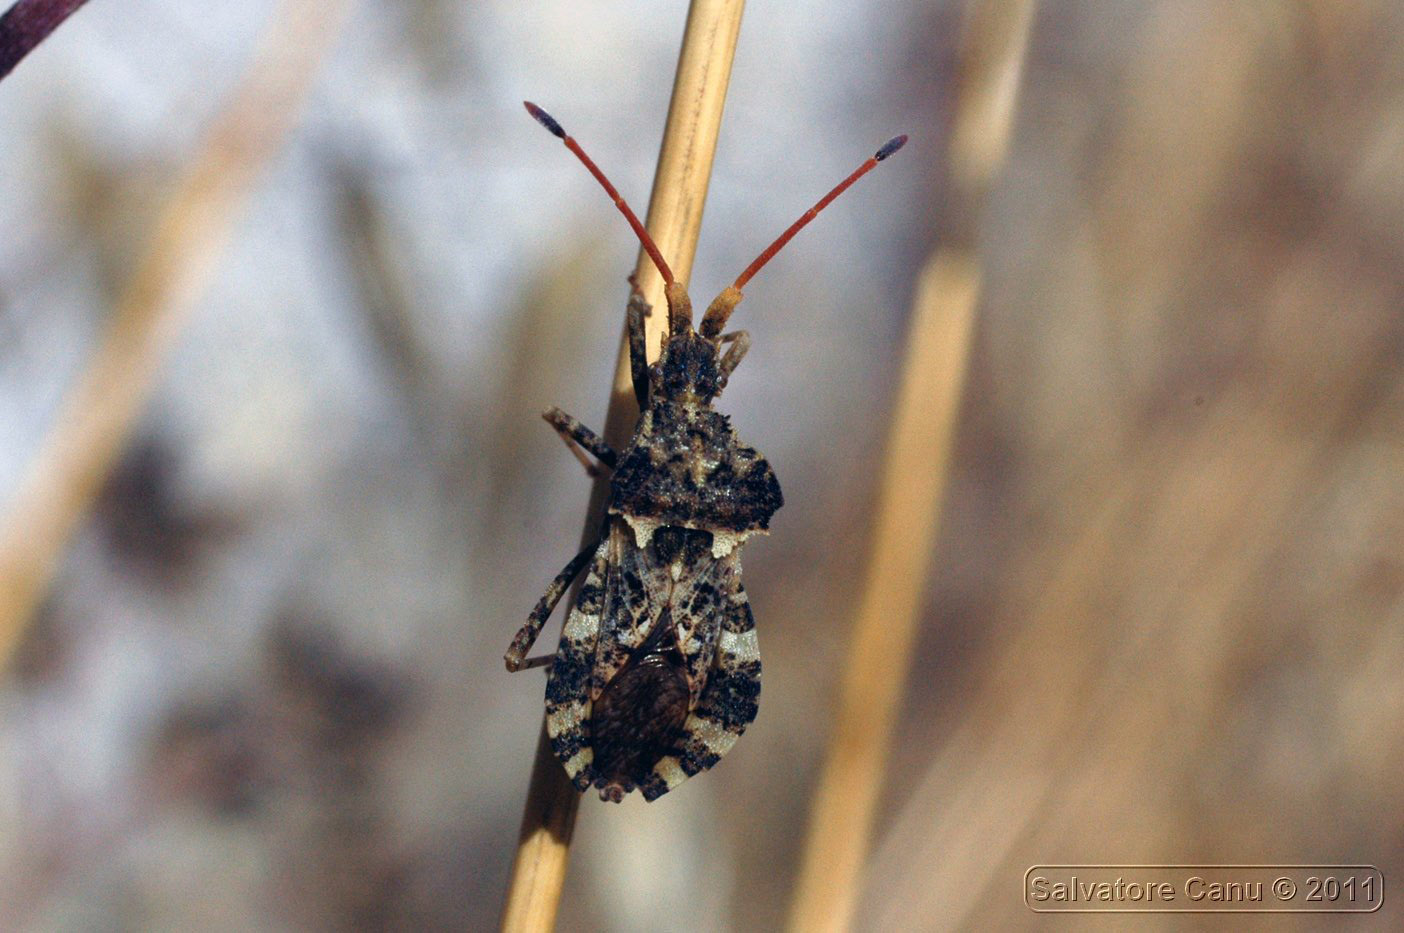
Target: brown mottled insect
(658, 671)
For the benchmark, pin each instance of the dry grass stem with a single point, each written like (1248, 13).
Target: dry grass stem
(94, 422)
(674, 220)
(1188, 509)
(1189, 605)
(908, 509)
(906, 524)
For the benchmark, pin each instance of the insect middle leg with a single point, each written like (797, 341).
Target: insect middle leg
(576, 436)
(516, 652)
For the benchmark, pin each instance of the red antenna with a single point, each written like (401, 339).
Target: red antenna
(889, 147)
(546, 120)
(720, 309)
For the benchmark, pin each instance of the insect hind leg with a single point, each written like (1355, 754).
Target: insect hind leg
(526, 637)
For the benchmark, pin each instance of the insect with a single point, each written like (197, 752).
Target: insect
(658, 670)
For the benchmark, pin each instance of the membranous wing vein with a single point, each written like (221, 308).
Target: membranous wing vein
(666, 596)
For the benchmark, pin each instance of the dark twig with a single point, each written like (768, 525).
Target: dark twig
(28, 23)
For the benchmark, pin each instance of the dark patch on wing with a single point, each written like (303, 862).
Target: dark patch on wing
(570, 673)
(697, 759)
(732, 696)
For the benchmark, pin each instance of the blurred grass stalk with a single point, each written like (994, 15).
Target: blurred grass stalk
(674, 220)
(93, 424)
(994, 41)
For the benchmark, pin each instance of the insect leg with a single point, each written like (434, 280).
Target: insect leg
(574, 433)
(740, 343)
(638, 351)
(516, 652)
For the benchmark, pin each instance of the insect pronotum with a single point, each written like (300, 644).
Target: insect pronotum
(658, 669)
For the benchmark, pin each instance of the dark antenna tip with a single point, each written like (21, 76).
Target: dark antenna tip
(889, 147)
(548, 121)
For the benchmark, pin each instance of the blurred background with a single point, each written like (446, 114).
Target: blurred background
(1164, 618)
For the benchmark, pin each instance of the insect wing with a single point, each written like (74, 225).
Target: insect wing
(699, 601)
(729, 699)
(645, 590)
(635, 596)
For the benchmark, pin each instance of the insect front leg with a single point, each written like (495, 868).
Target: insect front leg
(740, 342)
(576, 435)
(516, 652)
(638, 351)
